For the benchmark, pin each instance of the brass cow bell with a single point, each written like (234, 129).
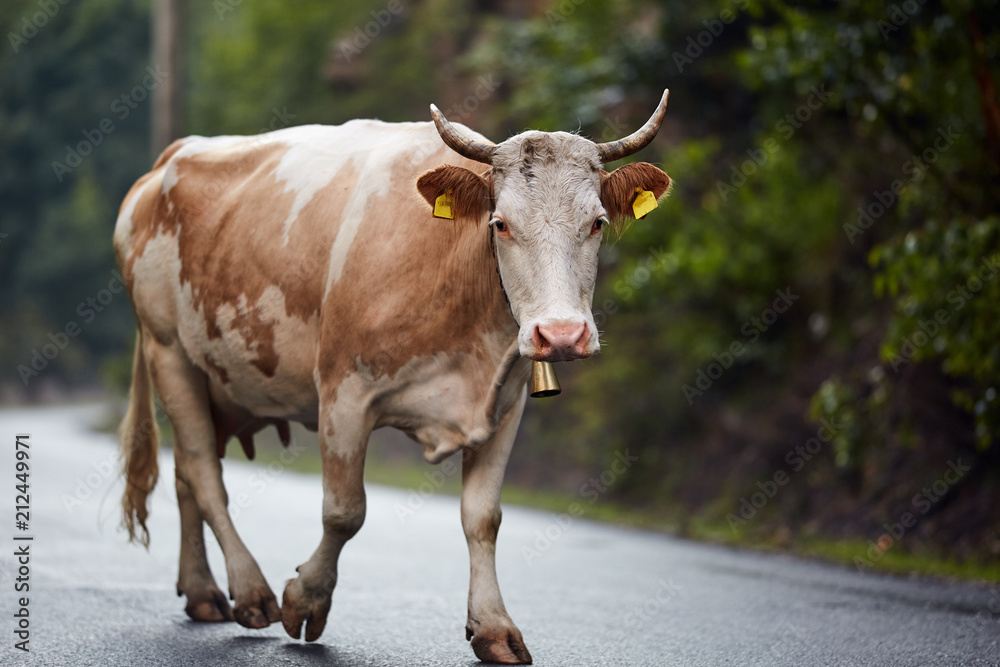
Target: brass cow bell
(544, 382)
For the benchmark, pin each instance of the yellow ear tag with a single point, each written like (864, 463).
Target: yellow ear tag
(643, 204)
(442, 207)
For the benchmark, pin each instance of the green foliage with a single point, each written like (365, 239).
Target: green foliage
(907, 80)
(945, 285)
(322, 62)
(563, 68)
(58, 87)
(253, 57)
(805, 140)
(839, 403)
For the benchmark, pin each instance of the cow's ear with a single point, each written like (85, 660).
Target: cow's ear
(471, 194)
(620, 188)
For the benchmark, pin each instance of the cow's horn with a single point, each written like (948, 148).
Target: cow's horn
(480, 151)
(615, 150)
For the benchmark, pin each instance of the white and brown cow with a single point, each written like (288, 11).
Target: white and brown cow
(297, 275)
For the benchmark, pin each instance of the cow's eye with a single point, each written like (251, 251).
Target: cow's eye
(599, 223)
(499, 225)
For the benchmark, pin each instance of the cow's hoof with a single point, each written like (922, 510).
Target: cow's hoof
(298, 607)
(208, 606)
(504, 646)
(258, 610)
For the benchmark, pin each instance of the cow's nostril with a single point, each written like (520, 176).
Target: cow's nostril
(540, 340)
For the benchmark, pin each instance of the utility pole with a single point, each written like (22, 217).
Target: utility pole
(168, 28)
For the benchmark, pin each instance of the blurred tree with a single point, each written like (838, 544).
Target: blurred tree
(835, 166)
(816, 138)
(916, 84)
(74, 133)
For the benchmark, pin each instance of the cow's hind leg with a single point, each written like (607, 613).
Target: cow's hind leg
(183, 390)
(494, 636)
(205, 602)
(307, 598)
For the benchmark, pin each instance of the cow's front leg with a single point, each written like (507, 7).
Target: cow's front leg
(494, 636)
(343, 441)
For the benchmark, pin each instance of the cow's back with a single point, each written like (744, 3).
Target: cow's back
(231, 245)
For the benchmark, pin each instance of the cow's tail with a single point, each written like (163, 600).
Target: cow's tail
(140, 442)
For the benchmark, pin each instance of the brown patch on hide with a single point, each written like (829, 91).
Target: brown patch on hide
(411, 285)
(227, 211)
(219, 371)
(414, 285)
(343, 476)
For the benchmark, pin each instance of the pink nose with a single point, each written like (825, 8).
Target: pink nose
(561, 341)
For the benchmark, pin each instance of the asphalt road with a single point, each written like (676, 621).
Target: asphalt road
(594, 595)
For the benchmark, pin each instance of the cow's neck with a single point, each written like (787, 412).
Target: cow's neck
(476, 274)
(475, 271)
(463, 372)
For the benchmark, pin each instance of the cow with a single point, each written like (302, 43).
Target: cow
(349, 278)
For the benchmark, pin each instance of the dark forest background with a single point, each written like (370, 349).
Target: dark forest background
(810, 320)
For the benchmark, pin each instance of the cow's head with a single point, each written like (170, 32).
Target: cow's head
(549, 202)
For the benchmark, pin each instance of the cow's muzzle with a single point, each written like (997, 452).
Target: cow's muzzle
(561, 340)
